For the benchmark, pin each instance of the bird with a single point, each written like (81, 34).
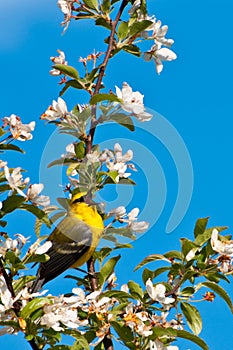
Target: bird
(74, 240)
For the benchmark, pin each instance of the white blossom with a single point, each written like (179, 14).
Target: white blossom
(5, 294)
(57, 110)
(136, 321)
(157, 293)
(66, 8)
(191, 254)
(135, 7)
(158, 345)
(2, 164)
(140, 226)
(131, 220)
(33, 195)
(15, 179)
(118, 212)
(19, 131)
(119, 155)
(132, 215)
(93, 157)
(132, 102)
(116, 161)
(59, 314)
(125, 288)
(61, 59)
(43, 248)
(12, 244)
(159, 32)
(224, 248)
(159, 54)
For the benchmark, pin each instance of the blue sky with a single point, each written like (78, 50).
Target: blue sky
(193, 93)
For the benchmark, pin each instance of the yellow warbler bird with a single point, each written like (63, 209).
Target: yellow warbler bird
(74, 241)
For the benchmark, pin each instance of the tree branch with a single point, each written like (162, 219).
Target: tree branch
(16, 305)
(108, 345)
(91, 272)
(94, 122)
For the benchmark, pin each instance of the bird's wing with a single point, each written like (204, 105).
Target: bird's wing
(70, 240)
(72, 229)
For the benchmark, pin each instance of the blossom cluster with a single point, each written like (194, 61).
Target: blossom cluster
(18, 130)
(157, 52)
(16, 183)
(120, 215)
(14, 245)
(117, 161)
(63, 312)
(225, 250)
(132, 102)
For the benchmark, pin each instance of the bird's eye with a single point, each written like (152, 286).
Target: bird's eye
(78, 200)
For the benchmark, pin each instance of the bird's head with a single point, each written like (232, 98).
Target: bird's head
(78, 197)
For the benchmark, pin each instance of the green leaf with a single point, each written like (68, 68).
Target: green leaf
(192, 316)
(38, 258)
(40, 214)
(121, 231)
(173, 254)
(200, 226)
(187, 245)
(34, 305)
(147, 274)
(220, 291)
(80, 150)
(202, 239)
(123, 331)
(188, 275)
(161, 270)
(4, 188)
(2, 132)
(64, 202)
(21, 282)
(103, 97)
(106, 4)
(162, 332)
(103, 23)
(135, 290)
(12, 203)
(123, 120)
(132, 49)
(80, 344)
(118, 294)
(188, 291)
(128, 181)
(138, 27)
(3, 223)
(67, 70)
(92, 4)
(10, 147)
(122, 30)
(195, 339)
(107, 269)
(76, 84)
(151, 258)
(61, 347)
(57, 216)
